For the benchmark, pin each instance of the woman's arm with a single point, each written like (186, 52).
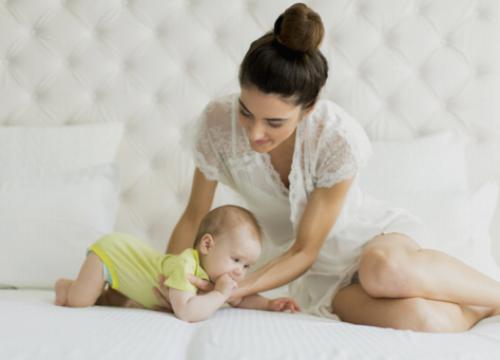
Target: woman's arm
(183, 236)
(259, 302)
(319, 216)
(200, 201)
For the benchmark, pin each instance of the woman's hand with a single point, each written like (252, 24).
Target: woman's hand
(161, 291)
(284, 304)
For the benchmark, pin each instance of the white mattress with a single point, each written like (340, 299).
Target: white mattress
(32, 328)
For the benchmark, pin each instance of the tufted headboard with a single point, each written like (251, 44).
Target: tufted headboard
(403, 68)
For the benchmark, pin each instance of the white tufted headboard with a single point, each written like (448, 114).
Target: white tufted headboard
(403, 68)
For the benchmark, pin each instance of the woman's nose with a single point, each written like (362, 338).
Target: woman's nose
(256, 132)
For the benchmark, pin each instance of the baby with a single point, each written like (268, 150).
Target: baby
(228, 242)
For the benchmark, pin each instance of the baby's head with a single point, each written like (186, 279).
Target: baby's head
(228, 241)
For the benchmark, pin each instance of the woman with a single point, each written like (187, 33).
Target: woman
(294, 159)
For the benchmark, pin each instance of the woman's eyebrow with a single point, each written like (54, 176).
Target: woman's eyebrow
(268, 119)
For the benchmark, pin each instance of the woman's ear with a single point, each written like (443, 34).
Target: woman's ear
(306, 111)
(207, 243)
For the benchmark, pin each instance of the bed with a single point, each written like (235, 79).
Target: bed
(38, 330)
(95, 99)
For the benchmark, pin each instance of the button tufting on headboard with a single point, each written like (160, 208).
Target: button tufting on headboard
(401, 67)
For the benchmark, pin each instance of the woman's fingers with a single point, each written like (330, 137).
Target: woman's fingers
(161, 293)
(165, 304)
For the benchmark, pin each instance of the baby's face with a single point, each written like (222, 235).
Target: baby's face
(233, 254)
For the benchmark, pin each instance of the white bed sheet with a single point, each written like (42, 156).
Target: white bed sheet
(31, 327)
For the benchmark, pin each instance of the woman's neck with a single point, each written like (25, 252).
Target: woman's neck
(286, 148)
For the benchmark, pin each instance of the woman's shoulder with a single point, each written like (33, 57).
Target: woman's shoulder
(218, 111)
(327, 113)
(331, 126)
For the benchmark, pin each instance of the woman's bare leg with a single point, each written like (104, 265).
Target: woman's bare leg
(394, 266)
(352, 304)
(86, 289)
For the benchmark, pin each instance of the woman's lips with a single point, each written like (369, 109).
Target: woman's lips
(260, 142)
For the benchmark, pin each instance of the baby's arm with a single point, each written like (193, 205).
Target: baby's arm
(191, 307)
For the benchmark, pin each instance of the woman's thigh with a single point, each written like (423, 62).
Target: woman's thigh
(352, 304)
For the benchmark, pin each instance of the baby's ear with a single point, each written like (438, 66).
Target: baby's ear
(207, 243)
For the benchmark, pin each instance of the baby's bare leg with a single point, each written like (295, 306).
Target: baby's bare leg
(85, 290)
(62, 286)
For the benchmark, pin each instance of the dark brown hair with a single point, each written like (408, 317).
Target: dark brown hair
(225, 218)
(287, 61)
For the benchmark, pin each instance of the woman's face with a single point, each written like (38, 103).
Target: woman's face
(268, 119)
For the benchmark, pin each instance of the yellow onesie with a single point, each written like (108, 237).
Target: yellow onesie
(135, 267)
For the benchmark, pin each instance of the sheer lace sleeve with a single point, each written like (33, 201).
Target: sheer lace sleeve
(343, 148)
(206, 138)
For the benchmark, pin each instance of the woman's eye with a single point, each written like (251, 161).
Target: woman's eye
(236, 260)
(274, 125)
(244, 114)
(246, 266)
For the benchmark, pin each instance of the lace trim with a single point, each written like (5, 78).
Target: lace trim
(210, 172)
(207, 137)
(298, 159)
(274, 175)
(347, 171)
(357, 139)
(348, 151)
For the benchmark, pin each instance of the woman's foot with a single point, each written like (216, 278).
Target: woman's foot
(62, 287)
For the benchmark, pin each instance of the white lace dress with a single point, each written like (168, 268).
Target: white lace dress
(330, 146)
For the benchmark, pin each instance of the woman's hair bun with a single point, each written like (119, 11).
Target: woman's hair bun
(299, 28)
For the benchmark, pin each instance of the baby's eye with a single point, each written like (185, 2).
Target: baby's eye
(246, 266)
(236, 260)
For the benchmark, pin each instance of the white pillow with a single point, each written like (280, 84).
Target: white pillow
(433, 162)
(458, 222)
(34, 151)
(52, 208)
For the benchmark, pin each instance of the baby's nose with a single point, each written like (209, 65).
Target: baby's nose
(238, 271)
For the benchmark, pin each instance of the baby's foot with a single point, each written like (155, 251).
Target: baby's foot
(61, 287)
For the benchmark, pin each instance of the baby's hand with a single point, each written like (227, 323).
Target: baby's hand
(284, 304)
(225, 285)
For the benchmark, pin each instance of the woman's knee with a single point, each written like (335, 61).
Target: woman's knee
(386, 271)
